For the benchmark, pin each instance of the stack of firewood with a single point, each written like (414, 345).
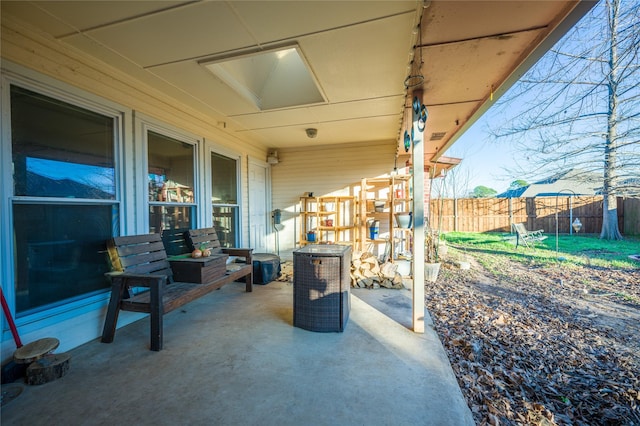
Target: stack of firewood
(286, 272)
(366, 272)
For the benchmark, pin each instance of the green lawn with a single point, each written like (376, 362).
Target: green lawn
(576, 249)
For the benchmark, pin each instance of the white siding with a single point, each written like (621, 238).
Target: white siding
(323, 170)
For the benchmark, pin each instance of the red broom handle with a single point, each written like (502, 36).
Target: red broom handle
(12, 325)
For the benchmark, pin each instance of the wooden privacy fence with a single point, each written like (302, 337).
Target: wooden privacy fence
(497, 214)
(631, 216)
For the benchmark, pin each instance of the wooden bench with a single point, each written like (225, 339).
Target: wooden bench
(183, 241)
(527, 236)
(140, 263)
(207, 238)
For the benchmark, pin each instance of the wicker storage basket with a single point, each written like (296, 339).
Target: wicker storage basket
(321, 287)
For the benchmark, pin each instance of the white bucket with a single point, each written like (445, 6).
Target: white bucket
(431, 271)
(404, 267)
(403, 220)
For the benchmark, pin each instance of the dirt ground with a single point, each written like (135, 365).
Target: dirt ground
(554, 345)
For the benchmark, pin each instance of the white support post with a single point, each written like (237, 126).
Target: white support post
(418, 220)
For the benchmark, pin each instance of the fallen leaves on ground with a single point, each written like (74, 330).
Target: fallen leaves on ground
(553, 345)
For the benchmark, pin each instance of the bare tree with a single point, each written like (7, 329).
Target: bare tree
(579, 107)
(457, 180)
(454, 184)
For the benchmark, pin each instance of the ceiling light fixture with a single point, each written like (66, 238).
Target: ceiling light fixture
(270, 79)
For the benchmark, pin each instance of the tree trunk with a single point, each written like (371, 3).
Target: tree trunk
(610, 229)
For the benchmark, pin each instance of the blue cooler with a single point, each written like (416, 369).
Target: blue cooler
(266, 267)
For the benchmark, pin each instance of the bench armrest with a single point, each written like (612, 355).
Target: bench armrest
(137, 280)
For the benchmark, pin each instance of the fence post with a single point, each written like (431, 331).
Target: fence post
(570, 214)
(510, 214)
(455, 214)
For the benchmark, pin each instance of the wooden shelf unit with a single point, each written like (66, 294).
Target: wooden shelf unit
(332, 218)
(396, 194)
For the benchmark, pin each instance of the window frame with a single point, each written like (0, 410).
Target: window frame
(16, 75)
(143, 125)
(212, 148)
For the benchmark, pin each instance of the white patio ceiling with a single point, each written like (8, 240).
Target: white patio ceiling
(358, 53)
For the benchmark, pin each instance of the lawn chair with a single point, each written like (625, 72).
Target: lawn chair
(528, 238)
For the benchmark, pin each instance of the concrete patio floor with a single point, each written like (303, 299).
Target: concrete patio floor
(235, 358)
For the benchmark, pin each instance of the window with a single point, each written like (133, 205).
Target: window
(60, 252)
(171, 183)
(224, 198)
(60, 150)
(64, 205)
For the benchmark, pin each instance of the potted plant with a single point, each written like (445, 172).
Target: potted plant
(431, 258)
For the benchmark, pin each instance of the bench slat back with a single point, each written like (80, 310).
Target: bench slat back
(520, 229)
(139, 254)
(203, 238)
(175, 242)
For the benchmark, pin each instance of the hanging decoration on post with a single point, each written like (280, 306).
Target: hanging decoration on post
(413, 80)
(415, 77)
(577, 225)
(422, 120)
(406, 120)
(416, 105)
(407, 141)
(394, 172)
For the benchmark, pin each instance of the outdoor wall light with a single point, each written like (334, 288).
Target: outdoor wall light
(272, 158)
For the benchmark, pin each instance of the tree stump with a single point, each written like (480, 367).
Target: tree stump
(35, 350)
(48, 368)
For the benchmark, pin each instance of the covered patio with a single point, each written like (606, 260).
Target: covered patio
(159, 99)
(235, 358)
